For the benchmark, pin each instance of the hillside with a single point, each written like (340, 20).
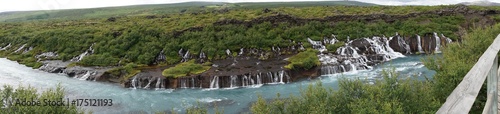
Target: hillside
(159, 9)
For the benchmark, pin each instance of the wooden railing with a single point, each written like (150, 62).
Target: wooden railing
(461, 99)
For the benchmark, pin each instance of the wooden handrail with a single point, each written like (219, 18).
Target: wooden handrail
(463, 96)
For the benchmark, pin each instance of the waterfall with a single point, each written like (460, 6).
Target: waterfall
(282, 73)
(381, 46)
(317, 45)
(228, 52)
(183, 83)
(84, 77)
(80, 57)
(134, 83)
(241, 52)
(20, 48)
(185, 58)
(252, 82)
(244, 81)
(158, 83)
(149, 83)
(343, 68)
(259, 81)
(420, 50)
(276, 77)
(326, 69)
(192, 83)
(234, 78)
(402, 43)
(202, 55)
(448, 40)
(353, 68)
(6, 47)
(438, 43)
(214, 84)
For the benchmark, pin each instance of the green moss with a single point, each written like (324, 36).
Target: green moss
(303, 60)
(184, 69)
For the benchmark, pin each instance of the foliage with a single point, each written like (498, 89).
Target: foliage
(458, 59)
(303, 60)
(185, 69)
(389, 95)
(125, 72)
(139, 39)
(159, 9)
(334, 47)
(99, 60)
(10, 96)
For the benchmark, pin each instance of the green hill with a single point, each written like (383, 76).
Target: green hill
(159, 9)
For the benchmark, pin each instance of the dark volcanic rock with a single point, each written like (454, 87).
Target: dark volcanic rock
(55, 66)
(86, 73)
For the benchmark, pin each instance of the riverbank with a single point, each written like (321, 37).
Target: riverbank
(235, 100)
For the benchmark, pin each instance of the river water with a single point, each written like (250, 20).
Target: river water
(126, 100)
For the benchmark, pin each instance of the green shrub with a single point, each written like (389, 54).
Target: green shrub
(184, 69)
(30, 94)
(457, 60)
(303, 60)
(99, 60)
(389, 95)
(333, 47)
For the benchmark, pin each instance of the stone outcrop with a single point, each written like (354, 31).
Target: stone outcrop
(55, 66)
(82, 73)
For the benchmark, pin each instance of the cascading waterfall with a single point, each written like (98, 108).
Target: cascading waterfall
(438, 43)
(234, 78)
(282, 74)
(214, 84)
(317, 45)
(252, 82)
(259, 81)
(20, 48)
(241, 52)
(185, 58)
(80, 57)
(228, 52)
(6, 47)
(402, 43)
(244, 81)
(158, 84)
(149, 83)
(183, 83)
(420, 50)
(350, 58)
(134, 83)
(192, 83)
(448, 40)
(85, 76)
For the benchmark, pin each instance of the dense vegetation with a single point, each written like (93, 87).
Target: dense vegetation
(159, 9)
(392, 95)
(11, 95)
(304, 60)
(458, 59)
